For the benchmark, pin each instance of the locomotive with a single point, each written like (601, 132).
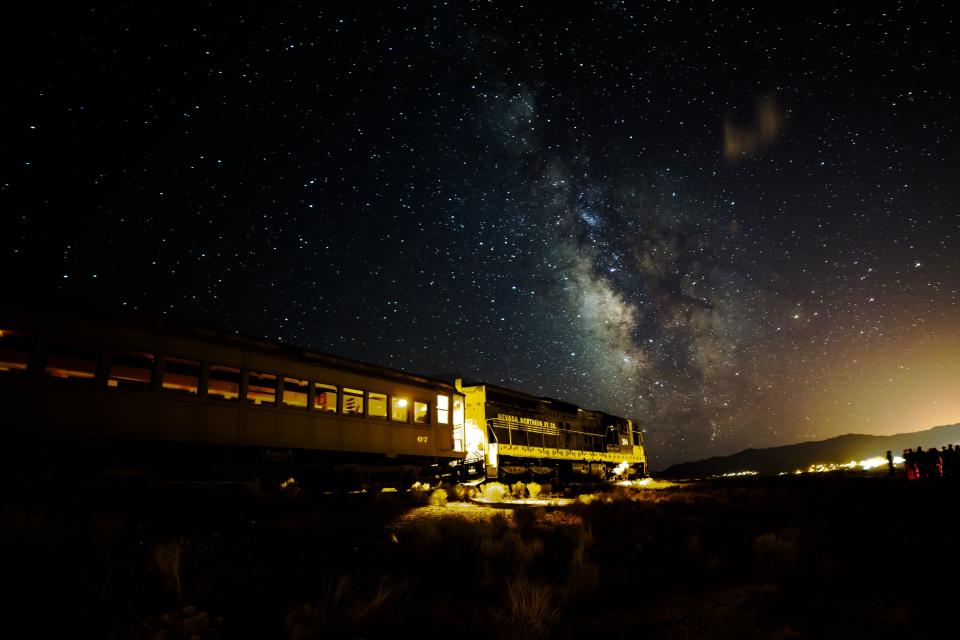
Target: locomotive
(109, 387)
(529, 437)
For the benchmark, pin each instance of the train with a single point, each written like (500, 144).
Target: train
(116, 389)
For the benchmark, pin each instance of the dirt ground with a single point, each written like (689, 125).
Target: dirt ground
(812, 556)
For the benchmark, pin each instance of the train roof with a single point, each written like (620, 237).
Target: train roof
(530, 399)
(68, 307)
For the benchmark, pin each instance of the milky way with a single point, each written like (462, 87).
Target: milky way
(735, 226)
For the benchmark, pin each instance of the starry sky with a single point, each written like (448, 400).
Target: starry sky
(738, 227)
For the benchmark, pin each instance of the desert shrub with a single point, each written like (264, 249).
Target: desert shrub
(531, 608)
(584, 578)
(423, 534)
(511, 551)
(461, 492)
(581, 539)
(421, 492)
(519, 490)
(527, 517)
(375, 602)
(534, 490)
(342, 605)
(691, 548)
(494, 491)
(438, 498)
(165, 558)
(775, 553)
(183, 624)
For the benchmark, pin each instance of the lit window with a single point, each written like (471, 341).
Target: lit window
(352, 402)
(459, 428)
(130, 370)
(400, 410)
(295, 393)
(457, 410)
(71, 360)
(262, 388)
(325, 398)
(223, 382)
(181, 375)
(15, 350)
(421, 412)
(378, 405)
(443, 409)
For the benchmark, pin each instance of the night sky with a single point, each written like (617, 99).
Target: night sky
(736, 227)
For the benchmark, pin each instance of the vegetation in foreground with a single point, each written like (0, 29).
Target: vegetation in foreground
(795, 557)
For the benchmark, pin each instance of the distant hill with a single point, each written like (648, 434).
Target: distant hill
(800, 456)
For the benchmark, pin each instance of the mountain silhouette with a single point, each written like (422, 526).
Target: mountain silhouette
(838, 450)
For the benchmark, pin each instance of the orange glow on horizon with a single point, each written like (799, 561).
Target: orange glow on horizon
(900, 387)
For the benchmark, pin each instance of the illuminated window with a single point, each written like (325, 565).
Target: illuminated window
(443, 409)
(421, 412)
(460, 433)
(181, 375)
(295, 393)
(71, 360)
(224, 382)
(377, 407)
(325, 398)
(352, 402)
(15, 350)
(262, 388)
(458, 411)
(400, 410)
(130, 370)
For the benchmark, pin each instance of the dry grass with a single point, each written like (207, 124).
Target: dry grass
(166, 559)
(532, 608)
(797, 557)
(342, 607)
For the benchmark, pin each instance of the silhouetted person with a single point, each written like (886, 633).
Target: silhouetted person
(951, 458)
(890, 461)
(934, 463)
(923, 468)
(910, 464)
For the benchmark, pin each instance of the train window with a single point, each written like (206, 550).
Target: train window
(613, 436)
(443, 409)
(71, 360)
(518, 437)
(262, 388)
(325, 398)
(352, 402)
(502, 434)
(15, 348)
(400, 410)
(421, 412)
(223, 382)
(181, 375)
(130, 370)
(457, 410)
(295, 393)
(377, 407)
